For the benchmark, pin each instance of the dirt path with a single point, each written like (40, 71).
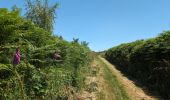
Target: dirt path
(99, 88)
(133, 91)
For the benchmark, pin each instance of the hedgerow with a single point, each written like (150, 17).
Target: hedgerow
(38, 75)
(148, 61)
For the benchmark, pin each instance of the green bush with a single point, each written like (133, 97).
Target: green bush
(39, 75)
(146, 60)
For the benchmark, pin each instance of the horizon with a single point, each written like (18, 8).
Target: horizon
(105, 24)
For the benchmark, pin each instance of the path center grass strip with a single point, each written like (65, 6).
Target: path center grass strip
(113, 83)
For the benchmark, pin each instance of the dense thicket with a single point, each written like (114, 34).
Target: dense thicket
(38, 75)
(146, 60)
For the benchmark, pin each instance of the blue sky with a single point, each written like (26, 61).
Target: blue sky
(107, 23)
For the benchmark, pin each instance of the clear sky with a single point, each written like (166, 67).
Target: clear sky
(107, 23)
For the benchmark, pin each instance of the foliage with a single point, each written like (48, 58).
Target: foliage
(38, 76)
(41, 13)
(146, 60)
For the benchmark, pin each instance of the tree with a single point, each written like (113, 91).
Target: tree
(16, 9)
(84, 43)
(75, 40)
(41, 13)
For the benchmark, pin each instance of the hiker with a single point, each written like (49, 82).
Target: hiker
(56, 55)
(16, 57)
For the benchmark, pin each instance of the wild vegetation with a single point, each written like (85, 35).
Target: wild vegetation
(148, 61)
(41, 13)
(35, 64)
(38, 74)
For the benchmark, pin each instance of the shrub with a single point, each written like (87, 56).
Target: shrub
(38, 75)
(145, 60)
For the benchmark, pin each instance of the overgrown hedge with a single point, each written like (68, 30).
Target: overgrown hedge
(38, 74)
(148, 61)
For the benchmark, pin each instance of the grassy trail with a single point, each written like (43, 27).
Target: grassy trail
(102, 84)
(114, 89)
(106, 83)
(133, 91)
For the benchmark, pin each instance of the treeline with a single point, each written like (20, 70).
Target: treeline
(38, 75)
(148, 61)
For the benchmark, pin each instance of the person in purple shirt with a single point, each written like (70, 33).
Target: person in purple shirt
(17, 56)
